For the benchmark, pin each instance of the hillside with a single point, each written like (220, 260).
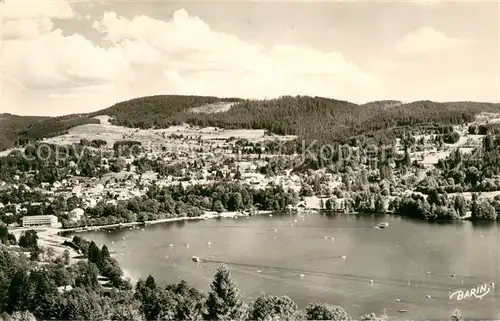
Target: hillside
(11, 125)
(313, 118)
(15, 130)
(156, 111)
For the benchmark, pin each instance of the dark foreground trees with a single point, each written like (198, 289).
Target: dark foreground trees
(73, 292)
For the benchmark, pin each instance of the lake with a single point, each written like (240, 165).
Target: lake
(268, 255)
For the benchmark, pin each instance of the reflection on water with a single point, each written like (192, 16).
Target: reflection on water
(343, 260)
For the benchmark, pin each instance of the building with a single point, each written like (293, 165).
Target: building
(40, 220)
(76, 214)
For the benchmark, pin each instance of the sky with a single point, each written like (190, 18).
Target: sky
(62, 57)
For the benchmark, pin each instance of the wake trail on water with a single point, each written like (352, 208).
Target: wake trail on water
(285, 226)
(413, 284)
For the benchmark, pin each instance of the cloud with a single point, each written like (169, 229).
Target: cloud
(54, 61)
(25, 28)
(428, 41)
(31, 18)
(195, 58)
(35, 9)
(147, 56)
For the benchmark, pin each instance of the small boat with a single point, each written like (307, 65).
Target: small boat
(403, 311)
(195, 259)
(343, 257)
(383, 225)
(209, 243)
(170, 245)
(302, 275)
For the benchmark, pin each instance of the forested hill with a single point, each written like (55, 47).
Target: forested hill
(316, 118)
(159, 111)
(313, 118)
(17, 130)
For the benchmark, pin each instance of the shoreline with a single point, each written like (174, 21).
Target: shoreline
(51, 237)
(206, 216)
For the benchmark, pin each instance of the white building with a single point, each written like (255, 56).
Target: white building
(76, 214)
(40, 220)
(77, 191)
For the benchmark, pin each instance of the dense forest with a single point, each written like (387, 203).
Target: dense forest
(312, 118)
(46, 286)
(19, 130)
(10, 127)
(159, 111)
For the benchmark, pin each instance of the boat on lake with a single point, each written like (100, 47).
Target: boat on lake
(383, 225)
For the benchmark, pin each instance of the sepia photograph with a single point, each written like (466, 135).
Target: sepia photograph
(249, 160)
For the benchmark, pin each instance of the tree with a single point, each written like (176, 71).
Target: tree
(237, 175)
(88, 276)
(457, 315)
(306, 190)
(105, 253)
(94, 254)
(19, 292)
(81, 304)
(329, 204)
(483, 211)
(374, 317)
(274, 308)
(150, 282)
(29, 240)
(21, 316)
(4, 233)
(460, 205)
(45, 298)
(118, 165)
(324, 311)
(224, 301)
(190, 301)
(218, 207)
(235, 202)
(128, 311)
(66, 257)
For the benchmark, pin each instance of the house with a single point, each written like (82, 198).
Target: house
(76, 214)
(40, 220)
(77, 190)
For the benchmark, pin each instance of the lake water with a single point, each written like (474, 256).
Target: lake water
(261, 259)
